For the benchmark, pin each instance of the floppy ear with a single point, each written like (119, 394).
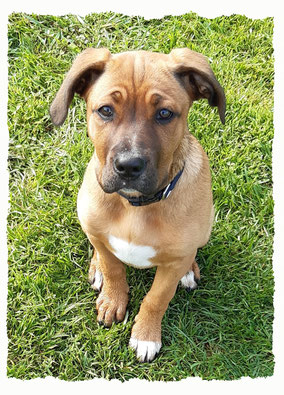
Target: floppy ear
(199, 79)
(85, 69)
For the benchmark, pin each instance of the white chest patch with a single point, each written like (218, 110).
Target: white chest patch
(132, 254)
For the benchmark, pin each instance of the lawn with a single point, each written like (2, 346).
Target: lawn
(222, 330)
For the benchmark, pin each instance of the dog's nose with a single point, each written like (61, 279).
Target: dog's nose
(129, 168)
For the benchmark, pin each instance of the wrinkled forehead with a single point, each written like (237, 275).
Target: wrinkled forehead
(138, 65)
(140, 73)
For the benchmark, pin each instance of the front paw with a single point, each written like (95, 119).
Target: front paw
(111, 307)
(145, 340)
(145, 350)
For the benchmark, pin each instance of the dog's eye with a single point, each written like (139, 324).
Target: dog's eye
(106, 112)
(164, 115)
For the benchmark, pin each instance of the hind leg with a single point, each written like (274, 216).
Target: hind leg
(189, 280)
(95, 276)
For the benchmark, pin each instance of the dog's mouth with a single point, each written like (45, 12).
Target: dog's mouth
(130, 192)
(145, 185)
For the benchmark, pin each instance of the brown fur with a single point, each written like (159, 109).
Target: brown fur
(136, 85)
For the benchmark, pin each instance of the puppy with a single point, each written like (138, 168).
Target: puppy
(146, 198)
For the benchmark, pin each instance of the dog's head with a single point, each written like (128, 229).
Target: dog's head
(137, 107)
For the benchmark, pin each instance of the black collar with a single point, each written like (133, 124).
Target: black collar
(161, 195)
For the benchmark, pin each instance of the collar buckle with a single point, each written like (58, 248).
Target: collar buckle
(166, 192)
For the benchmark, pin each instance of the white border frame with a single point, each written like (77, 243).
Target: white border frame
(154, 9)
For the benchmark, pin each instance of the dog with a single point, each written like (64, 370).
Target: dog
(146, 198)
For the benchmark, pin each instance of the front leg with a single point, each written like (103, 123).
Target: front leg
(146, 332)
(112, 301)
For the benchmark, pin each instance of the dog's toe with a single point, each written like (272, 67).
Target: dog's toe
(111, 307)
(188, 281)
(145, 350)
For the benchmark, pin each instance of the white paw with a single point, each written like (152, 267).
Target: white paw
(98, 282)
(145, 350)
(188, 281)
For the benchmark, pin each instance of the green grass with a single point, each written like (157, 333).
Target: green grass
(223, 330)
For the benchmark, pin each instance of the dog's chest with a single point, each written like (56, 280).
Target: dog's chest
(132, 254)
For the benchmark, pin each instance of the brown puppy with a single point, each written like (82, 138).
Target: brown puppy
(137, 107)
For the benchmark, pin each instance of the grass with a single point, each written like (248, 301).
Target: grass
(223, 330)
